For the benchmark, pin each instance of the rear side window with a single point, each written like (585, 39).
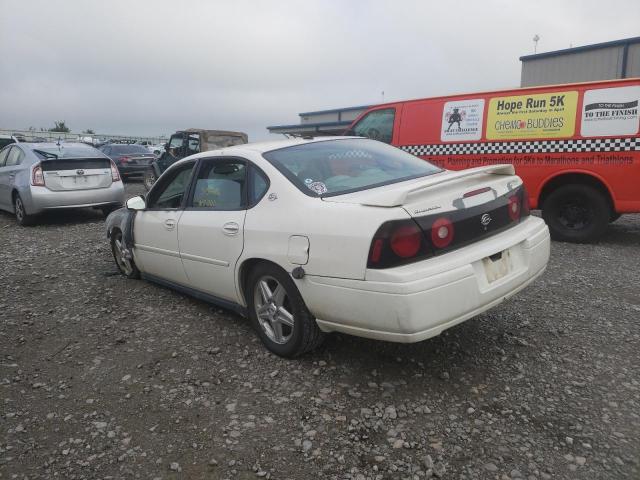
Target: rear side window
(15, 157)
(377, 125)
(259, 184)
(3, 156)
(220, 185)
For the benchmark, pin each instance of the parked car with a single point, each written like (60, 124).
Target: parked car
(333, 234)
(188, 142)
(37, 177)
(154, 148)
(132, 160)
(576, 146)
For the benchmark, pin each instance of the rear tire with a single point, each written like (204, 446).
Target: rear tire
(278, 313)
(22, 217)
(123, 256)
(576, 213)
(149, 178)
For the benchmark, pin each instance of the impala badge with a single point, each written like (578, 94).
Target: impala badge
(485, 220)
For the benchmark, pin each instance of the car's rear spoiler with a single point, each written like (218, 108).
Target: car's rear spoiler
(399, 196)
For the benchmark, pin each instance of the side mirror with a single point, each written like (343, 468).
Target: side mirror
(136, 203)
(166, 147)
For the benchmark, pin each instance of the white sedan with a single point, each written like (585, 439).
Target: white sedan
(309, 236)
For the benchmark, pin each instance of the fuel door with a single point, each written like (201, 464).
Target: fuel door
(298, 252)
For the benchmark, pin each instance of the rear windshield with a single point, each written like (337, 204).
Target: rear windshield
(334, 167)
(128, 149)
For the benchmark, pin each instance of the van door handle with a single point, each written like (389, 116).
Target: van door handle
(230, 228)
(170, 224)
(12, 176)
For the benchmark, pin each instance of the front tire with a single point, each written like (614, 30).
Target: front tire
(576, 213)
(278, 313)
(22, 217)
(123, 256)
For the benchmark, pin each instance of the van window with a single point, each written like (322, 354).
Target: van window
(377, 125)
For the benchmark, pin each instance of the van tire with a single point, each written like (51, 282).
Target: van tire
(576, 213)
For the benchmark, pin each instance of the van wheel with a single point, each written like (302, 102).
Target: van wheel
(614, 216)
(576, 213)
(278, 313)
(21, 214)
(123, 256)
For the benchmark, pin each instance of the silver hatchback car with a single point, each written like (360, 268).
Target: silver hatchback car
(36, 177)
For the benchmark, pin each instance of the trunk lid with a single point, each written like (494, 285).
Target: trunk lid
(76, 173)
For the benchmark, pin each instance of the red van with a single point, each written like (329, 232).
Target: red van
(576, 146)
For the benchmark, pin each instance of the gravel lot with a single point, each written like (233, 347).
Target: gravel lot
(102, 377)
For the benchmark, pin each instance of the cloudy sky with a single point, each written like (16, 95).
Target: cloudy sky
(151, 67)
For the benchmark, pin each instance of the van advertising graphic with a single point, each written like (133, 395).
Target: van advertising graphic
(544, 115)
(610, 111)
(462, 120)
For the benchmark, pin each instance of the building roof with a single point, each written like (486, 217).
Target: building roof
(584, 48)
(334, 110)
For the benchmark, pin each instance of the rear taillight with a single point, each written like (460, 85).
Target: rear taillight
(396, 243)
(37, 176)
(115, 174)
(406, 241)
(513, 207)
(442, 232)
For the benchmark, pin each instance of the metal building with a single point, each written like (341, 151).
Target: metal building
(322, 122)
(600, 61)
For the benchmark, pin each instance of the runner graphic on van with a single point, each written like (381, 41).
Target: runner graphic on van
(455, 117)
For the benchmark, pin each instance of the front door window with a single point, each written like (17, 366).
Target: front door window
(170, 193)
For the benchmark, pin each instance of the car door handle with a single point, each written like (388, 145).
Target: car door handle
(12, 176)
(230, 228)
(170, 224)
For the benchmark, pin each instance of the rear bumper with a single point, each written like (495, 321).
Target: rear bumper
(133, 170)
(419, 301)
(39, 199)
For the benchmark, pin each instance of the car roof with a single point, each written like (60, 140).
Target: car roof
(262, 147)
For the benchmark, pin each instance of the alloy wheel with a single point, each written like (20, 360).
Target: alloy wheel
(273, 309)
(19, 210)
(122, 256)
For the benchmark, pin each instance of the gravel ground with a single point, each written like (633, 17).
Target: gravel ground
(102, 377)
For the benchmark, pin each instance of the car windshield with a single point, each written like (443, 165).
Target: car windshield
(129, 149)
(334, 167)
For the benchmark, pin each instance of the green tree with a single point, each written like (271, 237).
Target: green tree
(61, 126)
